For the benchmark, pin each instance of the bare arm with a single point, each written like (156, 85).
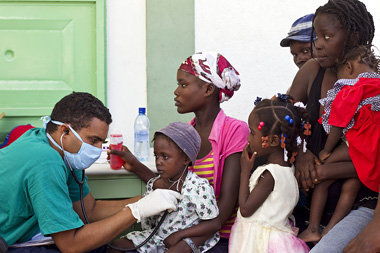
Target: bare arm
(249, 202)
(99, 209)
(227, 199)
(303, 80)
(94, 235)
(338, 170)
(333, 138)
(204, 228)
(132, 164)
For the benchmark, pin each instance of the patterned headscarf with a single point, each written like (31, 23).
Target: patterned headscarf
(215, 69)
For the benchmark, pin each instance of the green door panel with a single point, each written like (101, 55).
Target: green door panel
(170, 40)
(48, 49)
(119, 187)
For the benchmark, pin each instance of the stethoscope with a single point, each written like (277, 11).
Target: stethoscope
(81, 182)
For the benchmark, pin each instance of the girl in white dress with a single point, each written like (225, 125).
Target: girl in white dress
(268, 196)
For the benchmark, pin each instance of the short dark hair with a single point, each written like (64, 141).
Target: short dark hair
(78, 109)
(366, 56)
(354, 18)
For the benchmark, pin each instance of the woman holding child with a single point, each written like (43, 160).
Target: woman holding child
(339, 26)
(204, 81)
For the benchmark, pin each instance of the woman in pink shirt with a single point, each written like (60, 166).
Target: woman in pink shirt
(204, 81)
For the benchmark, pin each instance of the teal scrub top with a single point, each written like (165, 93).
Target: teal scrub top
(36, 189)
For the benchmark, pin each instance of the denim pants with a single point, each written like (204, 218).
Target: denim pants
(343, 232)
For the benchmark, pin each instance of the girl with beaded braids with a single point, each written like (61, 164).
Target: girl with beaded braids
(268, 196)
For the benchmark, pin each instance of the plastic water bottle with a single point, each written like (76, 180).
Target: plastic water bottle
(116, 143)
(141, 147)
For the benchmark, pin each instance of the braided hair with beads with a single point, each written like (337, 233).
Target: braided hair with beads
(275, 113)
(354, 18)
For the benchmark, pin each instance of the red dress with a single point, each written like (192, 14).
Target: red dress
(356, 108)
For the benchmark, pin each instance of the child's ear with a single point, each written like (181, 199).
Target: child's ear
(349, 67)
(275, 140)
(187, 160)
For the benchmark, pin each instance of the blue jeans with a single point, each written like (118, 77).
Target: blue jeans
(343, 232)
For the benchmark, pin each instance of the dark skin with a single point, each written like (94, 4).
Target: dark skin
(350, 189)
(249, 202)
(201, 98)
(300, 51)
(329, 44)
(169, 159)
(368, 240)
(350, 70)
(331, 155)
(108, 218)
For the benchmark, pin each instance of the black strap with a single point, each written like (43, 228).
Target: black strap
(318, 137)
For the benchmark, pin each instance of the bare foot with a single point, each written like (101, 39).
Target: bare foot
(310, 235)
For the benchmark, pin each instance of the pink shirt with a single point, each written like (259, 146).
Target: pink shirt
(228, 136)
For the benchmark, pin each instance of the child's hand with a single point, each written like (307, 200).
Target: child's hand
(172, 239)
(129, 159)
(323, 155)
(247, 159)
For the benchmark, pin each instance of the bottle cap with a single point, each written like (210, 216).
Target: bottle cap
(142, 110)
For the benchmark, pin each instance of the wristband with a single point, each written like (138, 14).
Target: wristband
(191, 245)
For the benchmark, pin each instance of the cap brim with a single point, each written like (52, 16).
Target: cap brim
(302, 38)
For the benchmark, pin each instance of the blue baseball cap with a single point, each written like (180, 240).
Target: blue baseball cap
(300, 30)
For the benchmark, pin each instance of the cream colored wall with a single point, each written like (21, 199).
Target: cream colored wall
(248, 33)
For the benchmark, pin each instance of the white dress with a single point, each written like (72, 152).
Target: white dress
(268, 229)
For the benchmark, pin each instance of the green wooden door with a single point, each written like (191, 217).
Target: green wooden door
(47, 50)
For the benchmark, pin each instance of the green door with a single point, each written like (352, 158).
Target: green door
(48, 49)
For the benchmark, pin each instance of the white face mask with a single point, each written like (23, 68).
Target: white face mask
(86, 155)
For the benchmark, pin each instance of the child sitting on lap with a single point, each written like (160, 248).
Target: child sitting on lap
(352, 114)
(175, 147)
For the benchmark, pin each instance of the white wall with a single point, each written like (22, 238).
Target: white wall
(248, 34)
(126, 63)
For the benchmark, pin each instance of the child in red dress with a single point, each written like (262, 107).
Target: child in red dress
(352, 114)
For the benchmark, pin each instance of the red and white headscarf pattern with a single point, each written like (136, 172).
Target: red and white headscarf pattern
(215, 69)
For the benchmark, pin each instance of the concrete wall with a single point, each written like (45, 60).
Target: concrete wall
(247, 32)
(126, 63)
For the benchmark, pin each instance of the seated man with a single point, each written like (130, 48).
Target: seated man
(38, 182)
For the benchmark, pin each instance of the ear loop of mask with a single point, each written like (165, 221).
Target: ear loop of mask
(80, 183)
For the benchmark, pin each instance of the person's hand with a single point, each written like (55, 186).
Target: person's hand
(129, 159)
(306, 173)
(173, 239)
(247, 159)
(154, 203)
(367, 241)
(323, 155)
